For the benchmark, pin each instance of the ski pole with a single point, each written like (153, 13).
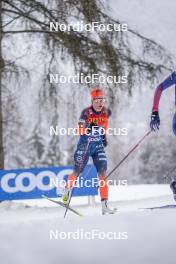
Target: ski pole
(128, 154)
(82, 164)
(68, 204)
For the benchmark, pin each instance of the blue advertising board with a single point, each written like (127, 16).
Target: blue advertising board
(35, 182)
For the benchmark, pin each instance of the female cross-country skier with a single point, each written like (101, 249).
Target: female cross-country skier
(155, 119)
(92, 144)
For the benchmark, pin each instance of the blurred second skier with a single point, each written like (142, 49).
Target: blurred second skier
(170, 81)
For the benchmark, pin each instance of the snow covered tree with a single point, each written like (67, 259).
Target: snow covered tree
(107, 53)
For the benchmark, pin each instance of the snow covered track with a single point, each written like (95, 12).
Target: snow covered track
(151, 234)
(149, 239)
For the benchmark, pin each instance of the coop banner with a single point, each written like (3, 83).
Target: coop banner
(35, 182)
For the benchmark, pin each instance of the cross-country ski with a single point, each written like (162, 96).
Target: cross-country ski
(63, 205)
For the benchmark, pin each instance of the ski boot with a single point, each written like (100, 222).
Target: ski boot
(65, 195)
(173, 188)
(106, 209)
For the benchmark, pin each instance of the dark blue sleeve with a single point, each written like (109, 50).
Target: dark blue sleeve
(169, 81)
(83, 116)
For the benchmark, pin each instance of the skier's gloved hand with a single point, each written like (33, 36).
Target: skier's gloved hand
(90, 127)
(155, 121)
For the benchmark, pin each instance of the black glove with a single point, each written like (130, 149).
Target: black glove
(90, 126)
(155, 121)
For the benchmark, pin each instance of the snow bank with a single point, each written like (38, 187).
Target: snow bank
(150, 237)
(141, 236)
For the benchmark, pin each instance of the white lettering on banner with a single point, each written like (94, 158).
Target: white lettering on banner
(4, 183)
(43, 174)
(19, 182)
(34, 181)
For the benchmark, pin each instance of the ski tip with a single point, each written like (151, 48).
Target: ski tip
(81, 215)
(63, 205)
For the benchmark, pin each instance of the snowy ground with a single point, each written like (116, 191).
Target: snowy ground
(25, 231)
